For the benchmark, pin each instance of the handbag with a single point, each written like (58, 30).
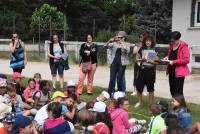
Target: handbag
(86, 66)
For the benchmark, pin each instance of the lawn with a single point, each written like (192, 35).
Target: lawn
(140, 113)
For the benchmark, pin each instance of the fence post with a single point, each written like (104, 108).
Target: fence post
(191, 61)
(46, 49)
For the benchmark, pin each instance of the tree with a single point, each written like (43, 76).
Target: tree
(154, 17)
(47, 17)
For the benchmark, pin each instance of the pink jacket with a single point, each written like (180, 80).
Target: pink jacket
(28, 93)
(120, 121)
(183, 58)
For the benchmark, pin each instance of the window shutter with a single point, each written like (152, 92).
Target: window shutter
(193, 13)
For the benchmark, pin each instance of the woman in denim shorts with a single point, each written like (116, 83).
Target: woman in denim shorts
(56, 53)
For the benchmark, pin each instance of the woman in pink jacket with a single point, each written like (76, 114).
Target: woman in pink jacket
(177, 69)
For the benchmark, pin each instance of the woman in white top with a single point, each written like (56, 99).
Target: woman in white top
(56, 53)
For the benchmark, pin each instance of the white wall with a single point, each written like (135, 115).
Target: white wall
(181, 19)
(181, 22)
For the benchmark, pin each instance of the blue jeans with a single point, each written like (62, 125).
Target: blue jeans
(117, 71)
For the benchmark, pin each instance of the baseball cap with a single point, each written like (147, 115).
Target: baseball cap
(71, 83)
(20, 122)
(4, 109)
(3, 82)
(3, 76)
(105, 94)
(99, 107)
(16, 75)
(57, 94)
(9, 117)
(101, 128)
(118, 95)
(164, 105)
(121, 34)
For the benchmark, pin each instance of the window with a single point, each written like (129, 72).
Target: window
(197, 59)
(195, 13)
(198, 12)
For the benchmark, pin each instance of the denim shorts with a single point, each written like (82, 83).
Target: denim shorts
(57, 67)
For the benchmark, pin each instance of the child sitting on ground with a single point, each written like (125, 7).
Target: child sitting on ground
(29, 91)
(164, 108)
(37, 77)
(55, 123)
(183, 113)
(3, 85)
(15, 101)
(171, 121)
(157, 123)
(17, 77)
(42, 97)
(120, 121)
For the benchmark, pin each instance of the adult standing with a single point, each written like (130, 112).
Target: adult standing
(177, 69)
(147, 70)
(18, 58)
(136, 65)
(88, 64)
(57, 54)
(118, 59)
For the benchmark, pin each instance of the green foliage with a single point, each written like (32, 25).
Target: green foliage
(104, 35)
(154, 17)
(127, 23)
(132, 38)
(47, 16)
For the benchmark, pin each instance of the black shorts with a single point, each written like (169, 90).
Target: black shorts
(146, 77)
(57, 67)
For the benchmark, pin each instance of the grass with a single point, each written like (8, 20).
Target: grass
(140, 113)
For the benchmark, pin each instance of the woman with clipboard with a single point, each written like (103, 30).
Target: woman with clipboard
(146, 74)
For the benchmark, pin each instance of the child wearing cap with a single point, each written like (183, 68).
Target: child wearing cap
(42, 114)
(103, 96)
(8, 122)
(102, 114)
(23, 125)
(17, 80)
(71, 88)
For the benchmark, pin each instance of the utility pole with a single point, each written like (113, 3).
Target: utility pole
(124, 26)
(155, 34)
(39, 37)
(94, 21)
(13, 24)
(50, 29)
(65, 22)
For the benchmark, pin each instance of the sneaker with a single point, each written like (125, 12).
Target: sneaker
(141, 122)
(138, 104)
(145, 93)
(134, 93)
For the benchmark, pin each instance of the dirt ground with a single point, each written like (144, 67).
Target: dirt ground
(191, 87)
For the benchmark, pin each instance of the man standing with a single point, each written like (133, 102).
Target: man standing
(118, 58)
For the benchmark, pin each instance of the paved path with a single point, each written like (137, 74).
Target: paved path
(191, 87)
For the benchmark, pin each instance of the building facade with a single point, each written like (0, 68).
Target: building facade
(186, 19)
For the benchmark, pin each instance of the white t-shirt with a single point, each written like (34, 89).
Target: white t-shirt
(41, 115)
(43, 98)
